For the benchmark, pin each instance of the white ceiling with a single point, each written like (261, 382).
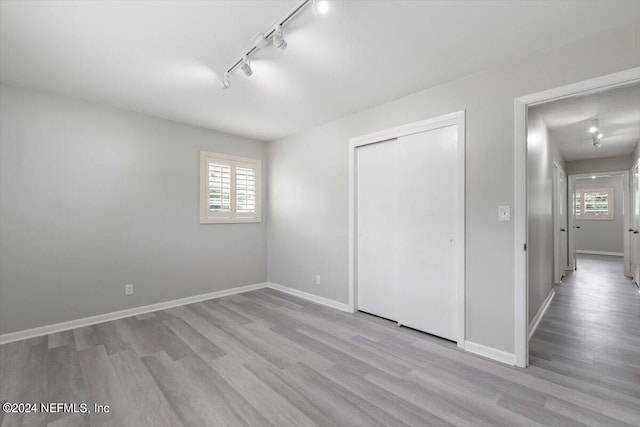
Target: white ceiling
(165, 58)
(618, 114)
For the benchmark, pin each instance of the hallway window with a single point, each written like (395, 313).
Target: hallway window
(594, 203)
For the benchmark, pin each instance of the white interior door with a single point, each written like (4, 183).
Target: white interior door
(428, 212)
(564, 234)
(557, 208)
(635, 221)
(559, 223)
(377, 211)
(573, 227)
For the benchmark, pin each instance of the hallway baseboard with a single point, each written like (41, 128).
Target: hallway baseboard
(580, 251)
(543, 309)
(490, 352)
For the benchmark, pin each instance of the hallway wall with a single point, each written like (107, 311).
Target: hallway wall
(542, 151)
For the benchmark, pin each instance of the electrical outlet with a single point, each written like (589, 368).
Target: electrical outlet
(317, 279)
(128, 289)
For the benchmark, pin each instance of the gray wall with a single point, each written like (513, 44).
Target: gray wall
(635, 155)
(94, 197)
(603, 235)
(308, 209)
(605, 164)
(542, 151)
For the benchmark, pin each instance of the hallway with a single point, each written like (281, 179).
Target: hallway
(590, 334)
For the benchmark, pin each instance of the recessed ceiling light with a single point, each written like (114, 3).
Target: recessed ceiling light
(593, 177)
(320, 7)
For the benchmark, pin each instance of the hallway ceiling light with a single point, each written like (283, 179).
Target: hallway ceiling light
(596, 135)
(274, 35)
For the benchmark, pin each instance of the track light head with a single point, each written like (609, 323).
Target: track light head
(597, 143)
(226, 81)
(600, 136)
(593, 129)
(594, 126)
(320, 7)
(278, 39)
(246, 67)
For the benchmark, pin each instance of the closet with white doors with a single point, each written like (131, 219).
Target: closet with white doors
(409, 216)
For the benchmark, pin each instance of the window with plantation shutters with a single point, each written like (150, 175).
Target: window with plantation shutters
(594, 203)
(229, 188)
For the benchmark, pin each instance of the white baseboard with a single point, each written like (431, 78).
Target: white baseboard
(600, 253)
(490, 352)
(541, 311)
(87, 321)
(311, 297)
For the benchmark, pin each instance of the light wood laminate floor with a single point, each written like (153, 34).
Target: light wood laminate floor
(265, 358)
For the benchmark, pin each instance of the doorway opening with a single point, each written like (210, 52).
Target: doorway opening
(575, 149)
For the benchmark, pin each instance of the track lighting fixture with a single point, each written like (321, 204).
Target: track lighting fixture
(274, 35)
(246, 66)
(278, 38)
(320, 7)
(226, 81)
(596, 135)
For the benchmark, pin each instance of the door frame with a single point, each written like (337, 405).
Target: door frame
(624, 211)
(452, 119)
(633, 246)
(521, 303)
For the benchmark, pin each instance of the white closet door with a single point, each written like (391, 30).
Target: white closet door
(376, 217)
(427, 221)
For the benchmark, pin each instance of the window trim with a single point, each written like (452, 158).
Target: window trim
(207, 217)
(594, 217)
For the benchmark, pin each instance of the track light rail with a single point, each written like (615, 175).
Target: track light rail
(269, 33)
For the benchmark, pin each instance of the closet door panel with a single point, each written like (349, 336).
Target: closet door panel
(427, 214)
(377, 210)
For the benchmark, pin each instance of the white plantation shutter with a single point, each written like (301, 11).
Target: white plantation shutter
(230, 188)
(245, 189)
(219, 187)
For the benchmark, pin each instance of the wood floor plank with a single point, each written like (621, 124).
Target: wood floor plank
(103, 387)
(277, 410)
(188, 393)
(149, 406)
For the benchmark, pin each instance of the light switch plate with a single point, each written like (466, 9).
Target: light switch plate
(504, 213)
